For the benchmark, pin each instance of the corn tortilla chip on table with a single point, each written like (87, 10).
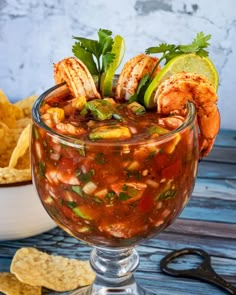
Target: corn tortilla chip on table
(10, 285)
(32, 269)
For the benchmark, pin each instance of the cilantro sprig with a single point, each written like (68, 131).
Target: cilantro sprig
(95, 54)
(169, 51)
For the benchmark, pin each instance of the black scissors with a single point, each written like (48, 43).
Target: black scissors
(203, 271)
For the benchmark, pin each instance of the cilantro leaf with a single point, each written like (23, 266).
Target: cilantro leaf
(202, 40)
(169, 51)
(162, 48)
(90, 45)
(199, 43)
(105, 40)
(95, 54)
(86, 56)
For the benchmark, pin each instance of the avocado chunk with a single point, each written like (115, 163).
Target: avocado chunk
(110, 132)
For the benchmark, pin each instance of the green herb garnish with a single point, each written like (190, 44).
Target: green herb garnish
(41, 169)
(100, 158)
(169, 194)
(169, 51)
(86, 177)
(77, 189)
(95, 54)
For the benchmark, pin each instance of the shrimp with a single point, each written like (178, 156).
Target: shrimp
(174, 93)
(171, 122)
(132, 73)
(48, 120)
(67, 128)
(54, 118)
(55, 176)
(77, 77)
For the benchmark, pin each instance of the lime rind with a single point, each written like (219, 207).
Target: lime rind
(184, 63)
(118, 49)
(149, 93)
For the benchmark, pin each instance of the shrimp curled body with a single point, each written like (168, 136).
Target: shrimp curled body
(174, 93)
(132, 73)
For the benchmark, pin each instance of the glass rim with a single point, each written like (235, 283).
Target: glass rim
(75, 141)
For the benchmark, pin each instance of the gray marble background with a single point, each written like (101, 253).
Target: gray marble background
(34, 34)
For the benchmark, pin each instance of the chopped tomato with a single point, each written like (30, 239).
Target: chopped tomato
(172, 170)
(161, 160)
(146, 203)
(112, 193)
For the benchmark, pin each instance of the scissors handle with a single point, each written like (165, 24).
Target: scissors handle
(203, 272)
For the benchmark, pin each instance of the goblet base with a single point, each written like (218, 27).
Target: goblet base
(114, 273)
(131, 289)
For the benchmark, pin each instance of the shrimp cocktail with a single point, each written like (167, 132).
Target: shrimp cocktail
(114, 157)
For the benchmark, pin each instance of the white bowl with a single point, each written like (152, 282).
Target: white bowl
(21, 213)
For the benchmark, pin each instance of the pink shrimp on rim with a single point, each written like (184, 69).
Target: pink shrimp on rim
(174, 93)
(77, 77)
(132, 73)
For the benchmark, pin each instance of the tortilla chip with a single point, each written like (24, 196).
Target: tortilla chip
(8, 142)
(57, 273)
(24, 161)
(3, 137)
(9, 112)
(21, 147)
(10, 285)
(22, 123)
(15, 120)
(3, 97)
(26, 104)
(12, 175)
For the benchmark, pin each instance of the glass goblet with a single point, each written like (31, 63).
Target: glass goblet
(115, 194)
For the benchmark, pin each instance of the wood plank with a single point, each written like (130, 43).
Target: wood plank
(207, 229)
(222, 154)
(225, 248)
(226, 138)
(223, 189)
(216, 170)
(55, 241)
(209, 208)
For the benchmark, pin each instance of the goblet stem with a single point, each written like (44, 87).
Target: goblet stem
(114, 273)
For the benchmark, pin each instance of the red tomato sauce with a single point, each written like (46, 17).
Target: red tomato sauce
(114, 191)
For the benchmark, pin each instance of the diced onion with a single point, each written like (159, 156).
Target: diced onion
(133, 130)
(89, 188)
(152, 183)
(55, 156)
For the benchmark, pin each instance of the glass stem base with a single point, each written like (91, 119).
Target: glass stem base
(114, 273)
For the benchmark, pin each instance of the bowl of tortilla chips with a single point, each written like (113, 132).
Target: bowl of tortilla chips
(21, 212)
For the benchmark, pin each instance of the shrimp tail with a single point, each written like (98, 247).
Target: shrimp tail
(207, 135)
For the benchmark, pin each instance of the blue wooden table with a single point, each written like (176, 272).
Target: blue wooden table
(208, 222)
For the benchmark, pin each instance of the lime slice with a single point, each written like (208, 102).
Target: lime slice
(184, 63)
(118, 48)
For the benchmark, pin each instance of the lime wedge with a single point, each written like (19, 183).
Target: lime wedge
(118, 48)
(184, 63)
